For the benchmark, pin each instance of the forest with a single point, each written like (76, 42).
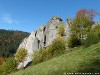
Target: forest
(10, 40)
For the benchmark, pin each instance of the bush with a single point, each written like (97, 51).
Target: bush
(61, 29)
(82, 22)
(37, 58)
(56, 47)
(8, 66)
(92, 38)
(20, 55)
(97, 30)
(2, 60)
(41, 55)
(73, 41)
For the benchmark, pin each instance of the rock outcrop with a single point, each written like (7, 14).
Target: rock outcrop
(51, 30)
(30, 44)
(41, 38)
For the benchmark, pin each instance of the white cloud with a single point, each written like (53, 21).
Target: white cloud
(7, 18)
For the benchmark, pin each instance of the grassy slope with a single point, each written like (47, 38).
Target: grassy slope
(81, 60)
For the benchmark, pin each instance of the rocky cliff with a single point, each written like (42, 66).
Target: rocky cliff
(41, 38)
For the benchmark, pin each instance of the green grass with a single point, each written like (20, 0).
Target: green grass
(82, 60)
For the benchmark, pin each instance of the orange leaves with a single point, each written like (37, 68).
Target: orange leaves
(2, 60)
(89, 13)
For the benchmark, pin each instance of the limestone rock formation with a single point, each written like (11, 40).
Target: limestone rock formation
(30, 44)
(69, 21)
(51, 30)
(41, 38)
(40, 35)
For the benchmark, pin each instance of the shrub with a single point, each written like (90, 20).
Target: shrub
(61, 29)
(2, 60)
(8, 66)
(41, 55)
(73, 41)
(36, 57)
(20, 55)
(92, 38)
(56, 47)
(97, 30)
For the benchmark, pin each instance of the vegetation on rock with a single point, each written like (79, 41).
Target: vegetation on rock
(61, 29)
(20, 55)
(57, 46)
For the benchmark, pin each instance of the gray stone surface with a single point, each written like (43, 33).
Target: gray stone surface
(41, 38)
(52, 29)
(30, 44)
(67, 32)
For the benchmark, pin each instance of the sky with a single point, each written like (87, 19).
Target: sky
(28, 15)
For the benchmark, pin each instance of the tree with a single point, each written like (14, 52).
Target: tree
(9, 41)
(83, 21)
(89, 13)
(80, 26)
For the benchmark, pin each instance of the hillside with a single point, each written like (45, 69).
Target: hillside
(80, 60)
(10, 40)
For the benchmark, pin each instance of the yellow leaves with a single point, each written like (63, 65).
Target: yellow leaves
(20, 55)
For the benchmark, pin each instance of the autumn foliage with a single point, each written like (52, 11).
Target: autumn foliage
(84, 20)
(89, 13)
(81, 25)
(9, 41)
(2, 60)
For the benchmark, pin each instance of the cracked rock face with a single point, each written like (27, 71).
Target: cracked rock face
(52, 29)
(40, 35)
(30, 44)
(41, 38)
